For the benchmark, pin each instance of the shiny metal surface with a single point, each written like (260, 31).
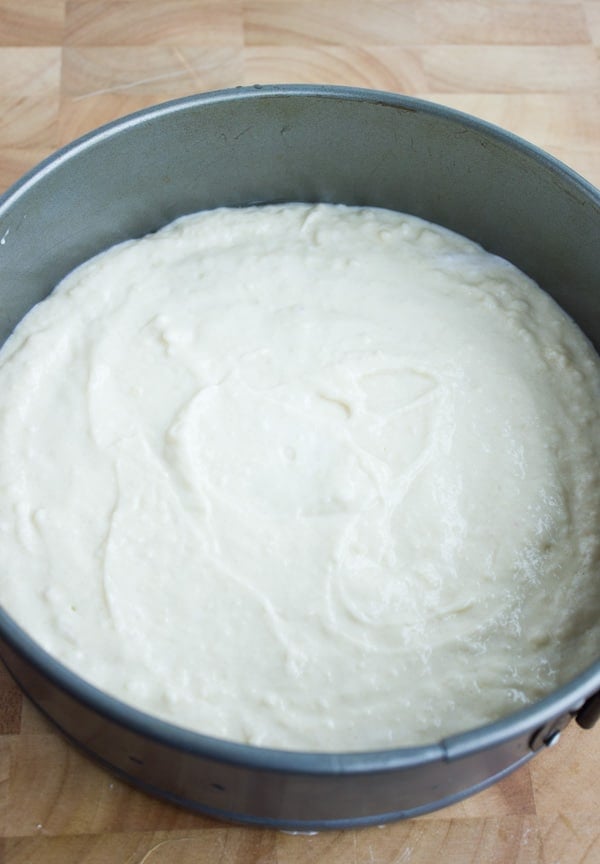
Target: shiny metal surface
(312, 144)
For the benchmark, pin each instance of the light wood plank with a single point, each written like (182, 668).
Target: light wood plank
(145, 22)
(429, 68)
(579, 782)
(492, 841)
(405, 22)
(570, 836)
(39, 23)
(592, 15)
(29, 96)
(167, 70)
(583, 160)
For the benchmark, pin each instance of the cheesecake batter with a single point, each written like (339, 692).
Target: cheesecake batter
(309, 477)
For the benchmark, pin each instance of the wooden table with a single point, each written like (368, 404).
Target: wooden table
(66, 67)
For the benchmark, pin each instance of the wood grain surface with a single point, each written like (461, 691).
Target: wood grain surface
(67, 66)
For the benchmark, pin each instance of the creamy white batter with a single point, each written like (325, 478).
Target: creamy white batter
(311, 477)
